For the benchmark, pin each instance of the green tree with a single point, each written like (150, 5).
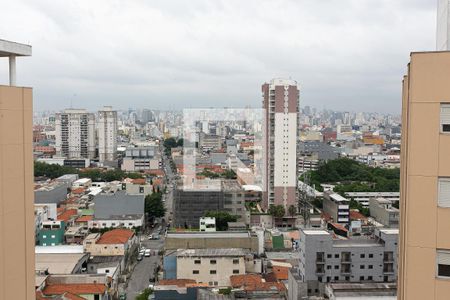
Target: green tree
(277, 211)
(292, 210)
(154, 207)
(144, 294)
(222, 219)
(170, 143)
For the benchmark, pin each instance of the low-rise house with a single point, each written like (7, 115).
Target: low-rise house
(383, 211)
(51, 233)
(254, 286)
(88, 287)
(75, 235)
(210, 266)
(111, 243)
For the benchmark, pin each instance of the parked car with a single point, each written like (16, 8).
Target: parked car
(140, 257)
(147, 252)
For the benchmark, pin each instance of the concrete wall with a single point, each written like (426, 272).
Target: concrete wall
(214, 243)
(223, 267)
(16, 194)
(425, 157)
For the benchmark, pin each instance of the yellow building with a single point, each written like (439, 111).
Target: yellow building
(425, 179)
(16, 183)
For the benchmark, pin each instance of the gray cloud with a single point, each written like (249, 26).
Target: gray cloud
(346, 54)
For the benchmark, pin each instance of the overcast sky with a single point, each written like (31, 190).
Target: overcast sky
(172, 54)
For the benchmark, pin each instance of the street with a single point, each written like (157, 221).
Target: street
(144, 269)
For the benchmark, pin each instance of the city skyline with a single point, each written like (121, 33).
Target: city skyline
(223, 56)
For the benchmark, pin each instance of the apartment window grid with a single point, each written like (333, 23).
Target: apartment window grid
(445, 118)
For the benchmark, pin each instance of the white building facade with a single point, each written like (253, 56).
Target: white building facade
(443, 25)
(75, 134)
(281, 102)
(107, 134)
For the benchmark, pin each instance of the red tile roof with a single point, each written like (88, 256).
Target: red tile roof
(84, 219)
(254, 282)
(281, 273)
(116, 236)
(177, 282)
(356, 215)
(245, 280)
(76, 289)
(79, 190)
(138, 181)
(65, 216)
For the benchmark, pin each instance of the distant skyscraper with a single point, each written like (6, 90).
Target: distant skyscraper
(281, 102)
(107, 134)
(75, 134)
(443, 26)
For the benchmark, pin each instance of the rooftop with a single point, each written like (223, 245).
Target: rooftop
(8, 48)
(211, 252)
(58, 263)
(116, 236)
(201, 235)
(77, 289)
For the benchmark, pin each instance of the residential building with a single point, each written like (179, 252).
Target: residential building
(111, 243)
(210, 141)
(61, 263)
(383, 212)
(190, 204)
(16, 182)
(211, 266)
(211, 240)
(107, 134)
(86, 286)
(337, 207)
(137, 186)
(141, 159)
(424, 186)
(51, 233)
(364, 197)
(281, 102)
(385, 291)
(75, 134)
(325, 259)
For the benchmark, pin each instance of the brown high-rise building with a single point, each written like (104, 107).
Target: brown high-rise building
(281, 104)
(425, 179)
(16, 183)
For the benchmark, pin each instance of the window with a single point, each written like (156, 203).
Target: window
(197, 261)
(336, 267)
(362, 266)
(235, 271)
(370, 267)
(369, 278)
(362, 256)
(444, 192)
(329, 255)
(361, 278)
(212, 272)
(319, 278)
(370, 255)
(235, 261)
(336, 278)
(213, 261)
(445, 118)
(328, 267)
(336, 256)
(443, 263)
(195, 272)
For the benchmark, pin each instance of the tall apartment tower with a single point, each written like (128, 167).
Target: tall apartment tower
(107, 134)
(75, 134)
(281, 104)
(424, 271)
(16, 182)
(443, 26)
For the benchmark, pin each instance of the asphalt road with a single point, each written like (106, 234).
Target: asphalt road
(144, 269)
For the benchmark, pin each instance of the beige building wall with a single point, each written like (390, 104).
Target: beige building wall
(425, 157)
(16, 194)
(224, 267)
